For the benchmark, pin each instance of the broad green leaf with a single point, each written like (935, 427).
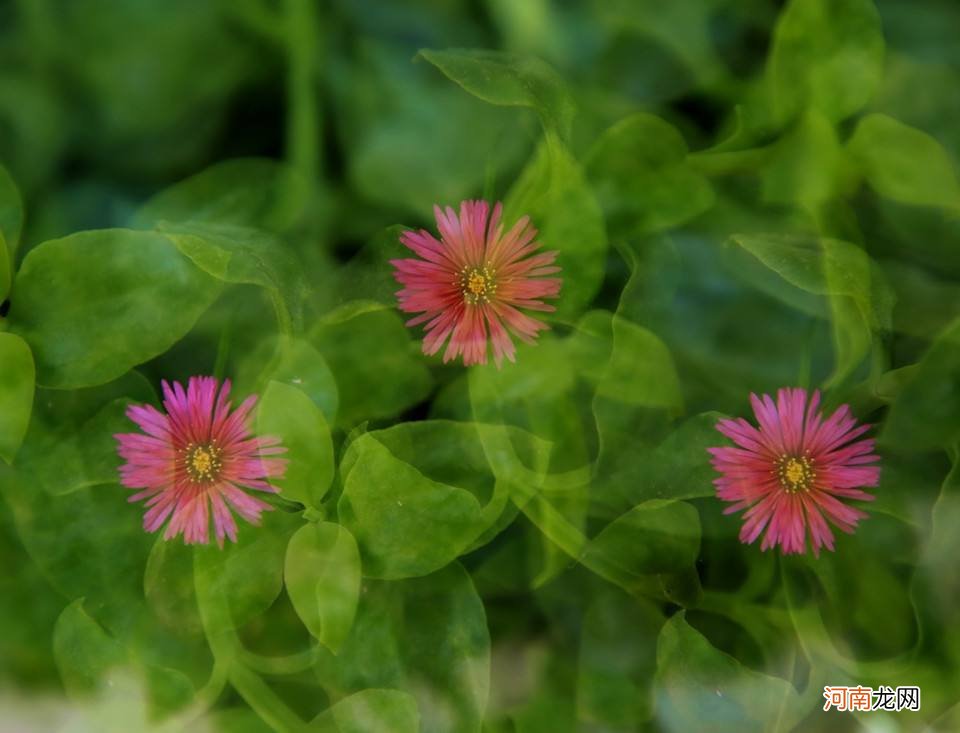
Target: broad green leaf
(641, 370)
(405, 523)
(90, 660)
(168, 585)
(288, 413)
(827, 55)
(85, 652)
(95, 304)
(293, 362)
(700, 688)
(806, 164)
(658, 537)
(70, 442)
(378, 371)
(322, 576)
(858, 298)
(247, 192)
(617, 661)
(11, 221)
(6, 267)
(370, 711)
(89, 543)
(638, 169)
(425, 636)
(926, 413)
(510, 80)
(904, 163)
(247, 256)
(16, 393)
(553, 192)
(249, 573)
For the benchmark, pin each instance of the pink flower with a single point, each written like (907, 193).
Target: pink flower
(795, 471)
(198, 460)
(474, 281)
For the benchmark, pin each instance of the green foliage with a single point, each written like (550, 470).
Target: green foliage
(96, 304)
(16, 393)
(742, 196)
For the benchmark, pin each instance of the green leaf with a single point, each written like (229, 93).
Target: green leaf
(701, 688)
(95, 304)
(16, 393)
(247, 192)
(641, 370)
(658, 537)
(639, 172)
(426, 636)
(322, 575)
(288, 413)
(509, 80)
(69, 444)
(904, 164)
(249, 573)
(11, 220)
(617, 661)
(370, 711)
(857, 296)
(84, 651)
(553, 192)
(243, 255)
(293, 362)
(405, 523)
(6, 267)
(806, 165)
(370, 352)
(926, 413)
(826, 55)
(169, 588)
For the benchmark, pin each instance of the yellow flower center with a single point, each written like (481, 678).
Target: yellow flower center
(477, 284)
(796, 473)
(202, 462)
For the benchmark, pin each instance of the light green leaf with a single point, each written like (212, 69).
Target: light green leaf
(322, 575)
(826, 55)
(95, 304)
(553, 192)
(640, 371)
(700, 688)
(11, 219)
(509, 80)
(249, 573)
(169, 588)
(904, 163)
(247, 192)
(16, 393)
(806, 164)
(84, 651)
(293, 362)
(639, 171)
(405, 523)
(6, 267)
(370, 711)
(288, 413)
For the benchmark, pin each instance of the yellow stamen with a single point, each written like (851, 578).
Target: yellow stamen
(202, 462)
(796, 473)
(477, 284)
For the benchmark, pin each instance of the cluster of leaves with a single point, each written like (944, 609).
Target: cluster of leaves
(532, 549)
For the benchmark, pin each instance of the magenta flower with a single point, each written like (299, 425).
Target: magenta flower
(198, 460)
(473, 282)
(795, 471)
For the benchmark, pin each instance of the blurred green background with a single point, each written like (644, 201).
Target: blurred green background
(745, 194)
